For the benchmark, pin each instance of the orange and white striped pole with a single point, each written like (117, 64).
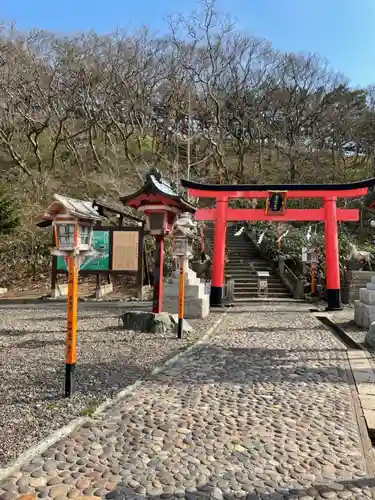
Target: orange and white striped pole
(71, 332)
(181, 299)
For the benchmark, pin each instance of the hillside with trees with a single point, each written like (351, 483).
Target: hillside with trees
(87, 115)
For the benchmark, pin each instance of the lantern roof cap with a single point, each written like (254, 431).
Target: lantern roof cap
(71, 207)
(156, 185)
(185, 225)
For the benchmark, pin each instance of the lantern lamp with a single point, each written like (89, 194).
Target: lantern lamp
(72, 235)
(184, 234)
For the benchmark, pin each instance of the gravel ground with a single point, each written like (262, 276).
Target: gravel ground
(262, 411)
(32, 353)
(345, 320)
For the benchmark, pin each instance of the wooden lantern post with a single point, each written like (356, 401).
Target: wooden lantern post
(181, 299)
(72, 224)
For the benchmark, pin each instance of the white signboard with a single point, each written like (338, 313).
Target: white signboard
(304, 254)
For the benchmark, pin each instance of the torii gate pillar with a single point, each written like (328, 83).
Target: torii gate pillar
(218, 260)
(331, 245)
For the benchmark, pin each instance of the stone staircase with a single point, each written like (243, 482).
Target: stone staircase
(244, 262)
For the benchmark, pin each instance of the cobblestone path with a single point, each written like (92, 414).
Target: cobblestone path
(262, 411)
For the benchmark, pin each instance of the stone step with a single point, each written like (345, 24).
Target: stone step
(245, 262)
(240, 262)
(247, 286)
(246, 266)
(252, 280)
(247, 282)
(249, 271)
(254, 289)
(254, 284)
(246, 271)
(244, 295)
(288, 299)
(244, 247)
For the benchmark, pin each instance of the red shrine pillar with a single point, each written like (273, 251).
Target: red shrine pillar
(158, 274)
(218, 261)
(332, 254)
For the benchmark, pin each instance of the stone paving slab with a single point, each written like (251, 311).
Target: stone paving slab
(361, 363)
(364, 378)
(265, 410)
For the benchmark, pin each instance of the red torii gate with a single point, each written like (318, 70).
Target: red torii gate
(329, 213)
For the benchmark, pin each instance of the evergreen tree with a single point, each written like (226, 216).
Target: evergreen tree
(9, 217)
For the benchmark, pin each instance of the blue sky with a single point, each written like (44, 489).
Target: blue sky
(343, 31)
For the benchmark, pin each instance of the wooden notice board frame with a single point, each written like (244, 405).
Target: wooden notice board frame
(136, 271)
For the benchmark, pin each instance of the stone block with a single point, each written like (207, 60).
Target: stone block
(370, 286)
(147, 292)
(370, 421)
(191, 291)
(103, 290)
(352, 283)
(364, 376)
(146, 321)
(3, 291)
(367, 402)
(370, 336)
(142, 321)
(367, 296)
(191, 277)
(194, 307)
(360, 275)
(364, 314)
(197, 301)
(366, 389)
(185, 325)
(59, 291)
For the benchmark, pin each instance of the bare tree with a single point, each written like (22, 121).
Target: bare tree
(295, 105)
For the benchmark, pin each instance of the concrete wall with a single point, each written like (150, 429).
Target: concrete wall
(351, 284)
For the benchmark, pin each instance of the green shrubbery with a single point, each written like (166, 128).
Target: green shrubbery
(9, 214)
(295, 240)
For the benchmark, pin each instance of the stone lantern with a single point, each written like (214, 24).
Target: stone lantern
(161, 204)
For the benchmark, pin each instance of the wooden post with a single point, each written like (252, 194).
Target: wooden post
(54, 268)
(181, 297)
(97, 286)
(158, 275)
(140, 271)
(312, 279)
(71, 333)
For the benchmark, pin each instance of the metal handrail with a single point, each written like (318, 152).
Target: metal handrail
(288, 271)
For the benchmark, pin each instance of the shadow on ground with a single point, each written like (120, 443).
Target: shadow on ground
(359, 488)
(100, 380)
(212, 363)
(206, 364)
